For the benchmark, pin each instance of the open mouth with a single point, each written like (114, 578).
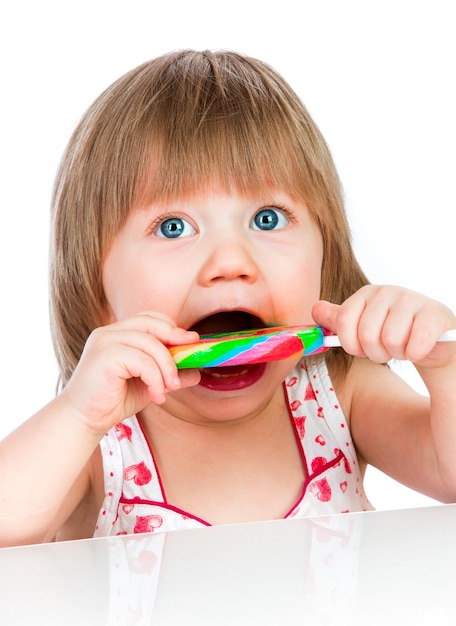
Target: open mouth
(234, 377)
(227, 322)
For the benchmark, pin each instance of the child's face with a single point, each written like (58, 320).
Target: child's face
(218, 262)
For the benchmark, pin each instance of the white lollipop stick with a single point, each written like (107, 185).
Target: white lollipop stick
(332, 341)
(448, 335)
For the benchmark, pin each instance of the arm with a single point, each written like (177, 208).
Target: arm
(45, 465)
(44, 472)
(408, 436)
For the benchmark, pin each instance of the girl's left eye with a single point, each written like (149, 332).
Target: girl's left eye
(269, 219)
(174, 227)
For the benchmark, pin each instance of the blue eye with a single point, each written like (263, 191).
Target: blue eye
(173, 228)
(269, 219)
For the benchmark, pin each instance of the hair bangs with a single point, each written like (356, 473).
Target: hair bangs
(223, 156)
(218, 121)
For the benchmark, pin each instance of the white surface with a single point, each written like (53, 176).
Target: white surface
(394, 568)
(377, 76)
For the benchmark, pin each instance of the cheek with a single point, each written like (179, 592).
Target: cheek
(132, 286)
(122, 279)
(300, 287)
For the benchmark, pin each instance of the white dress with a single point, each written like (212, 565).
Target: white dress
(135, 500)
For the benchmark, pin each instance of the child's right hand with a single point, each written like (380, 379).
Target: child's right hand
(126, 365)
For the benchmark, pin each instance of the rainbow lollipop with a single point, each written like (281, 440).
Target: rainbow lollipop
(250, 346)
(259, 346)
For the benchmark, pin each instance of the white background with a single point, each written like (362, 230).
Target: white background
(378, 77)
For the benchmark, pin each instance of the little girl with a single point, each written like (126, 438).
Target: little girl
(197, 196)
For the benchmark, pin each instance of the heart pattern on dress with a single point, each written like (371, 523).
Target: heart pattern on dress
(139, 473)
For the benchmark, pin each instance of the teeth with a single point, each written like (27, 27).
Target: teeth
(210, 372)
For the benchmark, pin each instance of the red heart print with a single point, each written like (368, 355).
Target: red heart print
(123, 431)
(318, 463)
(139, 473)
(310, 394)
(292, 381)
(321, 490)
(147, 523)
(301, 426)
(143, 563)
(294, 406)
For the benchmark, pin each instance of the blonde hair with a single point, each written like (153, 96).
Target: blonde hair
(166, 128)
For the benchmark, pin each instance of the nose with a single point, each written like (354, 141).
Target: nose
(228, 259)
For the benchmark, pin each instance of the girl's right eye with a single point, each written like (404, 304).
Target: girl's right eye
(173, 228)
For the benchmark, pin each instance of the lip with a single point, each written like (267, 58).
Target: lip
(234, 378)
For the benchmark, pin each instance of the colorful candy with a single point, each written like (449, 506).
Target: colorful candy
(250, 346)
(260, 346)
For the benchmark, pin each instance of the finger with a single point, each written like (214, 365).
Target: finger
(341, 321)
(347, 322)
(151, 376)
(371, 331)
(396, 331)
(428, 324)
(325, 314)
(140, 368)
(166, 328)
(145, 378)
(412, 326)
(150, 346)
(189, 377)
(160, 325)
(113, 377)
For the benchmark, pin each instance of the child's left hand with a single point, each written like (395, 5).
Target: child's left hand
(386, 322)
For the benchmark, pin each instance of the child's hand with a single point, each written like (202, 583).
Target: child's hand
(126, 365)
(384, 322)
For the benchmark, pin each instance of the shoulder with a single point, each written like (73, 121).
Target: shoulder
(367, 381)
(382, 409)
(374, 391)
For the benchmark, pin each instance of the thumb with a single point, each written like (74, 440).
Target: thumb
(325, 314)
